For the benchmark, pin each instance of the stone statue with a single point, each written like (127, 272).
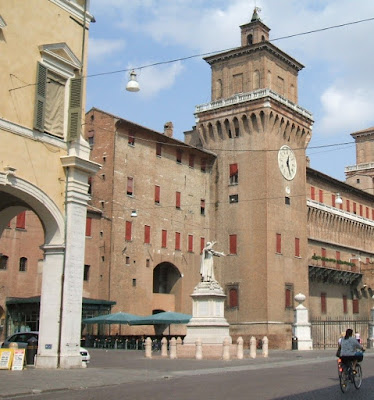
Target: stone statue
(206, 267)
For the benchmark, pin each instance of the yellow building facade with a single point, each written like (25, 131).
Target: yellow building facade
(44, 162)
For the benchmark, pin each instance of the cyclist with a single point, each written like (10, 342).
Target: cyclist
(349, 347)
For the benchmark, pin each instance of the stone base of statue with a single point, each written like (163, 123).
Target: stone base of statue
(208, 322)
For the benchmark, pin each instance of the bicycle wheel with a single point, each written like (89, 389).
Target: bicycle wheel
(344, 381)
(357, 377)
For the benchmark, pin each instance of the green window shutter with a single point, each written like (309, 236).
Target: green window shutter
(75, 109)
(40, 97)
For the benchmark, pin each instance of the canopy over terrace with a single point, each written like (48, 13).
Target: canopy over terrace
(163, 318)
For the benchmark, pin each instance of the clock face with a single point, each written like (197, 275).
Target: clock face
(287, 162)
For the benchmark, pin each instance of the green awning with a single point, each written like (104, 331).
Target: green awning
(36, 300)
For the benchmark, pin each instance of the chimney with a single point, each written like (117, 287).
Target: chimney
(168, 129)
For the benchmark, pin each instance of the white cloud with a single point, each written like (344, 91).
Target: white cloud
(346, 110)
(152, 80)
(99, 49)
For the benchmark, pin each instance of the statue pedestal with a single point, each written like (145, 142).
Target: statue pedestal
(208, 322)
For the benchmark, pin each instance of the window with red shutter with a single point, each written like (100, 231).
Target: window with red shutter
(147, 234)
(157, 194)
(348, 206)
(333, 199)
(21, 220)
(354, 208)
(278, 243)
(177, 241)
(233, 244)
(233, 298)
(234, 174)
(337, 257)
(323, 251)
(202, 244)
(320, 196)
(190, 243)
(177, 199)
(164, 235)
(312, 192)
(361, 211)
(289, 296)
(88, 226)
(128, 235)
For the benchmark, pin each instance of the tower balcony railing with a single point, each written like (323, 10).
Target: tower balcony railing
(249, 96)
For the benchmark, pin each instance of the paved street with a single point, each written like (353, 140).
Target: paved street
(127, 375)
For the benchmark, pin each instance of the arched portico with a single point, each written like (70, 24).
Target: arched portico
(17, 195)
(64, 241)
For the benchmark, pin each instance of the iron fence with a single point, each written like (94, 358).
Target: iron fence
(326, 333)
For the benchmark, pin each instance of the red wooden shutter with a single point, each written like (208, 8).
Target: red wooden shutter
(288, 299)
(147, 234)
(278, 243)
(21, 220)
(233, 249)
(164, 238)
(323, 251)
(320, 196)
(312, 193)
(178, 199)
(88, 226)
(157, 194)
(177, 241)
(333, 198)
(348, 206)
(128, 235)
(190, 243)
(202, 245)
(233, 169)
(233, 297)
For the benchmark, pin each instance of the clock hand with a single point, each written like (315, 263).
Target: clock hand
(288, 164)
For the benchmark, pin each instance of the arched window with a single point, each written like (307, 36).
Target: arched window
(23, 264)
(249, 39)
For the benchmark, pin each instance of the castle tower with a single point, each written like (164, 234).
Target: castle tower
(259, 134)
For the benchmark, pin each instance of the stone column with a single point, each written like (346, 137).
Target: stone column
(302, 328)
(77, 172)
(50, 306)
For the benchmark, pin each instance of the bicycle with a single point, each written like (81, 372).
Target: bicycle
(347, 375)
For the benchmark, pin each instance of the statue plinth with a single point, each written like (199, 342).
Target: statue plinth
(208, 322)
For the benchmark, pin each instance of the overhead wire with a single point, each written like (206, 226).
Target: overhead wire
(209, 53)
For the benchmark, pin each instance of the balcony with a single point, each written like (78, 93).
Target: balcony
(343, 273)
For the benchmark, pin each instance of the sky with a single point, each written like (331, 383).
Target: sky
(336, 85)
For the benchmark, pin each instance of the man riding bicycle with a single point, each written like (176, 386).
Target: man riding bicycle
(348, 349)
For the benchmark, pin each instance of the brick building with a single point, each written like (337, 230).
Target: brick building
(241, 178)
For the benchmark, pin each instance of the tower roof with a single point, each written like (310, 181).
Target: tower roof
(255, 16)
